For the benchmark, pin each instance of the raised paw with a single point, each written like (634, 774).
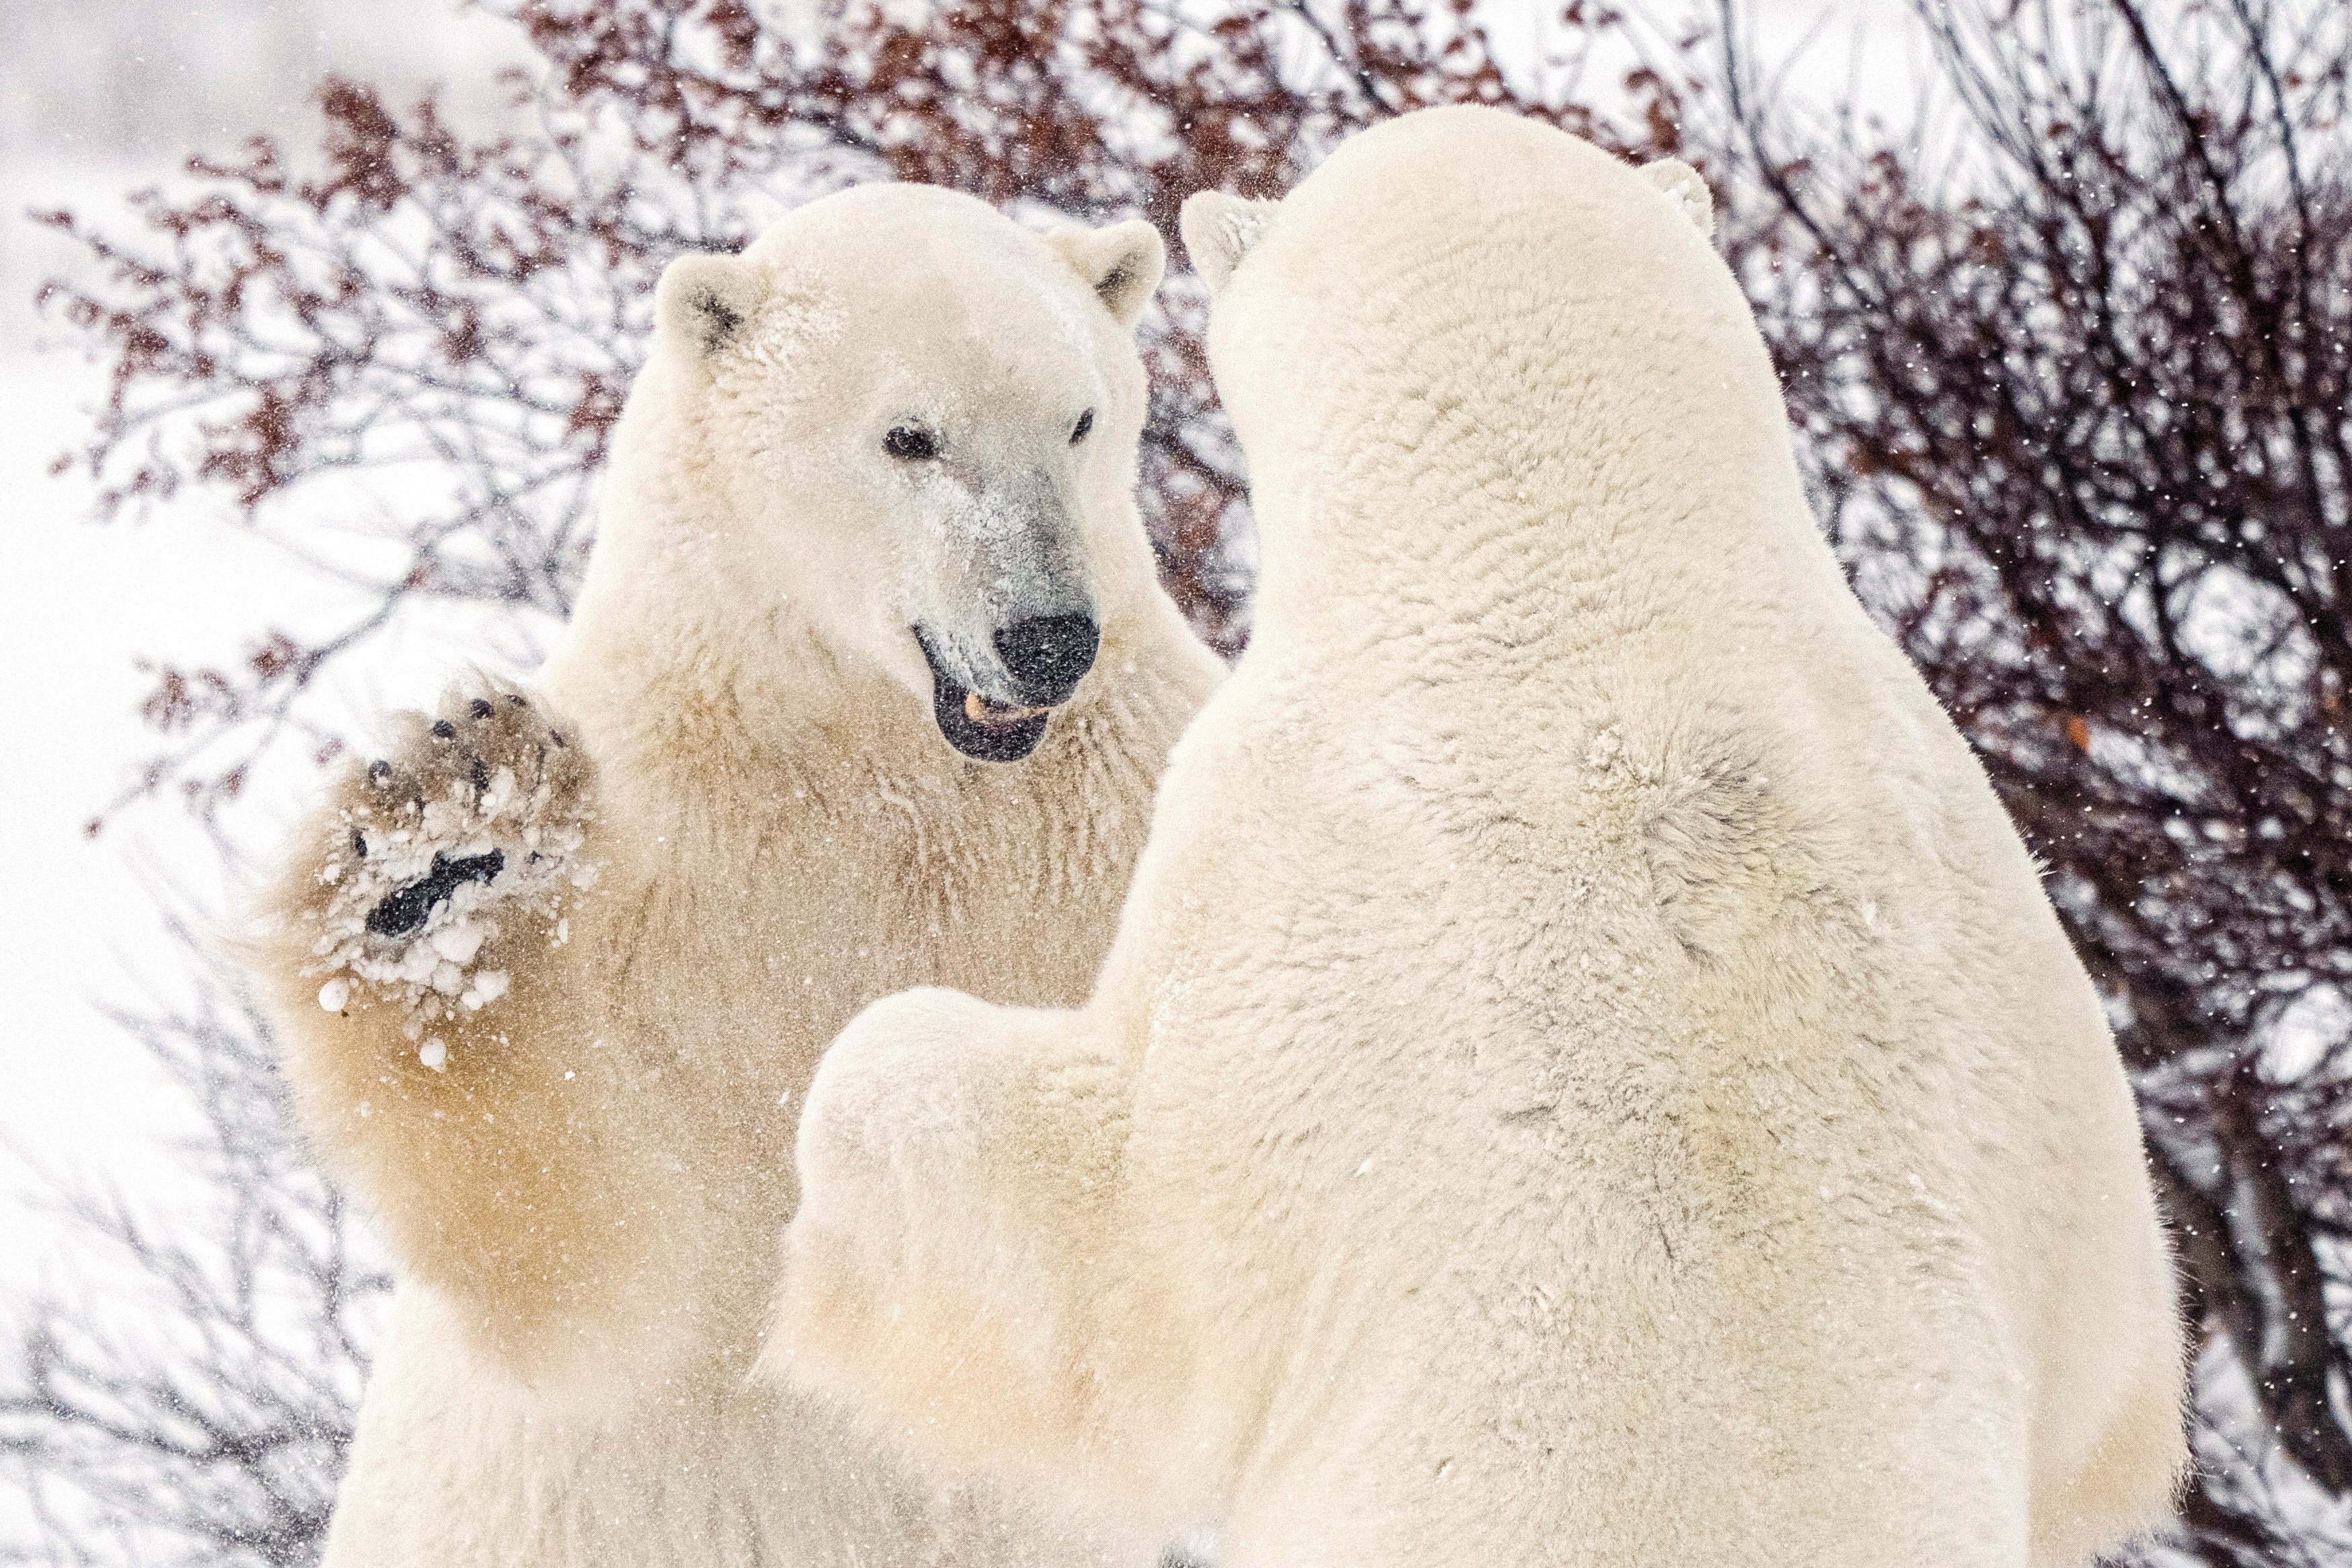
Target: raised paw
(473, 822)
(405, 910)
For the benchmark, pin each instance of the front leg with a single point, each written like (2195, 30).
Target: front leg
(417, 947)
(947, 1269)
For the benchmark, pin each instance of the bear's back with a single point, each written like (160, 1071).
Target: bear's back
(1698, 984)
(1599, 1028)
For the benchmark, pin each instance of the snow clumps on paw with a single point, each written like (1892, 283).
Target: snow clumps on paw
(472, 827)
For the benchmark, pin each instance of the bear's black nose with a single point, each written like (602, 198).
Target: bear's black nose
(1046, 657)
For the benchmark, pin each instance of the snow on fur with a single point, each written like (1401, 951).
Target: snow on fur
(478, 826)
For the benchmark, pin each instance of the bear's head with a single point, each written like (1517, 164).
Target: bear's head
(909, 425)
(1485, 299)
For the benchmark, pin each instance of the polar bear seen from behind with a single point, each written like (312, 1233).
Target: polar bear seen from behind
(1587, 1074)
(869, 687)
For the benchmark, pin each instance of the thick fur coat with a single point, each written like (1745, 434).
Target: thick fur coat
(556, 971)
(1588, 1074)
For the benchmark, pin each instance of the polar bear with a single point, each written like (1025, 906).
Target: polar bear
(869, 687)
(1586, 1073)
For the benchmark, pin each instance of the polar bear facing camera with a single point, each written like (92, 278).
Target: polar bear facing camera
(1586, 1073)
(869, 687)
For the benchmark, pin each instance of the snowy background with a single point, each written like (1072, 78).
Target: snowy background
(98, 98)
(2241, 941)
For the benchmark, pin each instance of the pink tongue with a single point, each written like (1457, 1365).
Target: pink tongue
(979, 710)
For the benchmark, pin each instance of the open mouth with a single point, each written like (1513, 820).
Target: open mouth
(978, 726)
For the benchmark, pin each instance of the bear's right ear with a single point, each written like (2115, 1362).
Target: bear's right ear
(1121, 264)
(1219, 230)
(705, 301)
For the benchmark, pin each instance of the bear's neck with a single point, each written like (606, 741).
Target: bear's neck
(1655, 507)
(728, 777)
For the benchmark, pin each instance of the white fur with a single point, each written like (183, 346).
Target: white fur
(585, 1187)
(1219, 230)
(1587, 1074)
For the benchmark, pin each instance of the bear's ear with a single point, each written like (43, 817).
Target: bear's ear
(1121, 264)
(705, 301)
(1688, 189)
(1218, 232)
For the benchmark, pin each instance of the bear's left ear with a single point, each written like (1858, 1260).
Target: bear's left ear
(1121, 264)
(705, 301)
(1688, 189)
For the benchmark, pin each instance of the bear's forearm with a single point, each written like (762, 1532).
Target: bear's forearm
(432, 1002)
(957, 1164)
(475, 1142)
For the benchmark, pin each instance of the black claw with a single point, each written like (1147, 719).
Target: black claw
(443, 729)
(405, 910)
(479, 771)
(557, 737)
(479, 708)
(379, 773)
(359, 844)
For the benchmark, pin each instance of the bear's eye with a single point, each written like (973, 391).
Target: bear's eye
(908, 445)
(1085, 423)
